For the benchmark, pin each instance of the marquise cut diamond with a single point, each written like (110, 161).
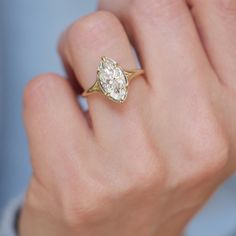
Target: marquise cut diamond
(112, 79)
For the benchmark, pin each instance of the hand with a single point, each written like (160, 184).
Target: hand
(146, 167)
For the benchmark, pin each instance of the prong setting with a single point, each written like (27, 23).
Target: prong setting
(112, 80)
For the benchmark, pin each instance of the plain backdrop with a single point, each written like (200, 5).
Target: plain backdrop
(29, 32)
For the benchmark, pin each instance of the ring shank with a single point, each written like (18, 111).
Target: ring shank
(131, 74)
(94, 89)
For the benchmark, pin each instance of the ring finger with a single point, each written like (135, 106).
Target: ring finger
(83, 44)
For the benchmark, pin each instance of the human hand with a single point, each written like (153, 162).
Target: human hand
(144, 167)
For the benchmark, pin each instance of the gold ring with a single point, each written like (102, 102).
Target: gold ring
(112, 80)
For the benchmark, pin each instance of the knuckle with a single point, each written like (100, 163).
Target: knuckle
(204, 152)
(92, 30)
(153, 10)
(151, 175)
(37, 86)
(147, 176)
(209, 158)
(212, 165)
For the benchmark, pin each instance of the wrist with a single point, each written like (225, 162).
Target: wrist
(37, 223)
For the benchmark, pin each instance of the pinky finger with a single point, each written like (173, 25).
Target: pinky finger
(56, 127)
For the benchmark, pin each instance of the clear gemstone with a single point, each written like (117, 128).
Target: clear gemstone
(112, 79)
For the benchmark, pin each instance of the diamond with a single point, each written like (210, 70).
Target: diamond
(112, 80)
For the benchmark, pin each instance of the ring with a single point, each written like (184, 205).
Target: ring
(112, 80)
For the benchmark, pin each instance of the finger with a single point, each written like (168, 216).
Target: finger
(82, 47)
(56, 128)
(165, 37)
(216, 21)
(72, 78)
(176, 66)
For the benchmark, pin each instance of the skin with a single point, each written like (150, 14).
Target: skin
(146, 167)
